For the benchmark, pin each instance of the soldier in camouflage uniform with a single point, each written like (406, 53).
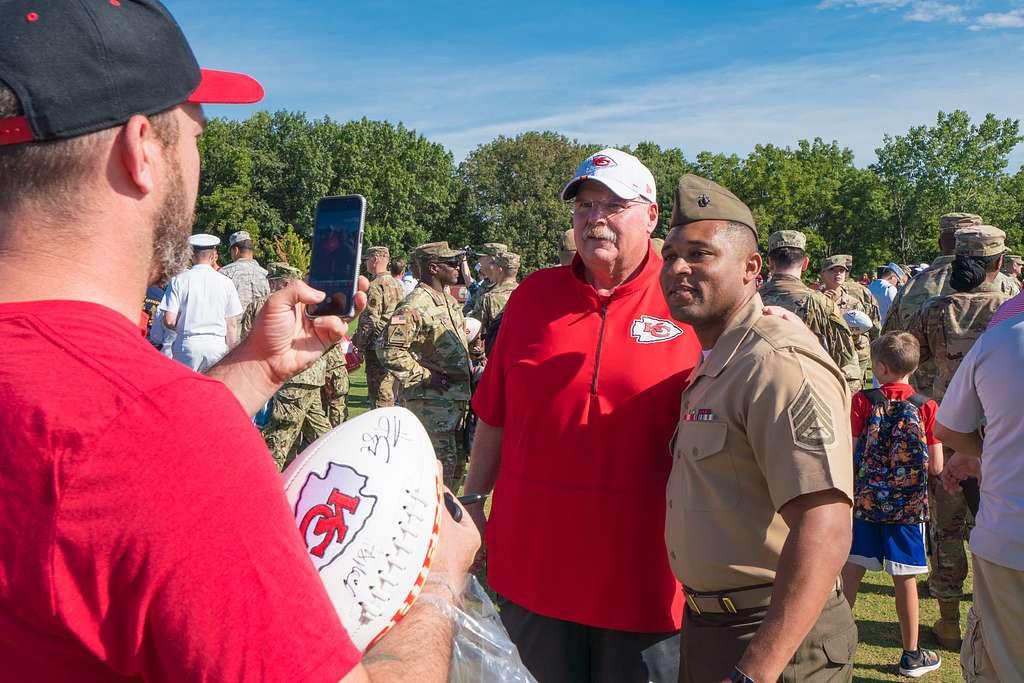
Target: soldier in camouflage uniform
(425, 347)
(334, 393)
(485, 259)
(297, 408)
(1012, 266)
(933, 282)
(382, 299)
(947, 327)
(249, 277)
(566, 248)
(865, 297)
(504, 270)
(835, 285)
(787, 259)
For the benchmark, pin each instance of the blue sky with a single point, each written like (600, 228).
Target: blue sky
(701, 76)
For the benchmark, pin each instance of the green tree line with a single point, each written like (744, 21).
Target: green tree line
(265, 174)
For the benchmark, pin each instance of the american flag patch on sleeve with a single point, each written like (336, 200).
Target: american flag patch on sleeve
(398, 320)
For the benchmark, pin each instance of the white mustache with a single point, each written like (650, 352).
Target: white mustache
(601, 232)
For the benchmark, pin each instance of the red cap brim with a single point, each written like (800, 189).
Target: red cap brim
(226, 87)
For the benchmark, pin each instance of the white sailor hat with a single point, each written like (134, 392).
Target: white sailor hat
(203, 241)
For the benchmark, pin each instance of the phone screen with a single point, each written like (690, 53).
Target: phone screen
(336, 249)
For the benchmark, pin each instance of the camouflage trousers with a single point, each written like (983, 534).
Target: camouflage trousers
(334, 396)
(380, 383)
(297, 411)
(949, 528)
(444, 421)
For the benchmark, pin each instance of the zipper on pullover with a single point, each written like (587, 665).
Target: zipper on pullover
(600, 343)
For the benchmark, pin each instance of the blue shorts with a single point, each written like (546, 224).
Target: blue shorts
(899, 549)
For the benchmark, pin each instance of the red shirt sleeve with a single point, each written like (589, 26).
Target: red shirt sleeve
(178, 556)
(860, 411)
(928, 412)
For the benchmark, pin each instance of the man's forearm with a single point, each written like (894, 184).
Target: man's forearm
(420, 646)
(814, 553)
(969, 444)
(484, 459)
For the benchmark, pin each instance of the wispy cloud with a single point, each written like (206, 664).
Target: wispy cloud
(925, 11)
(999, 20)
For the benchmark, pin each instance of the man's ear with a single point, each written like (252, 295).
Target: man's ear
(652, 218)
(805, 265)
(138, 150)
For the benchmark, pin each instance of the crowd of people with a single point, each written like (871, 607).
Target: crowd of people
(693, 453)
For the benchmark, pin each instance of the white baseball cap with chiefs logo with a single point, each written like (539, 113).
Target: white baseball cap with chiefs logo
(620, 172)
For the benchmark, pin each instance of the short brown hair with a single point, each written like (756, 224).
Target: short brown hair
(397, 267)
(53, 168)
(899, 351)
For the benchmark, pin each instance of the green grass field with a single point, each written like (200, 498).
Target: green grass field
(879, 650)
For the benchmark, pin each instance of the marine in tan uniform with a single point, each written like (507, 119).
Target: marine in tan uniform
(297, 408)
(425, 347)
(382, 299)
(947, 327)
(787, 259)
(504, 270)
(835, 285)
(758, 523)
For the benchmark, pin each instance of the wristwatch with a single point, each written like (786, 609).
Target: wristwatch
(740, 677)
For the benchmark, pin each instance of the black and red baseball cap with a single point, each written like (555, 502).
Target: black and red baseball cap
(81, 66)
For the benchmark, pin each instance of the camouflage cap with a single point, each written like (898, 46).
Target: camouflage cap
(436, 251)
(282, 271)
(951, 222)
(700, 199)
(980, 240)
(835, 261)
(787, 238)
(506, 260)
(568, 241)
(491, 249)
(377, 251)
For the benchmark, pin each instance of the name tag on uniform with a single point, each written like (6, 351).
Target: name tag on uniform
(699, 415)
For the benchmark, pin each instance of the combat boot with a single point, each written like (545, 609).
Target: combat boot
(947, 629)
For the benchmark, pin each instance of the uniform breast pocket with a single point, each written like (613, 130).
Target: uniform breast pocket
(708, 478)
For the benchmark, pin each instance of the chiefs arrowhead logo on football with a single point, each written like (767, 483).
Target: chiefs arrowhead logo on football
(650, 330)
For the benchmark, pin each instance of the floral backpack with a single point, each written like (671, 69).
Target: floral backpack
(890, 462)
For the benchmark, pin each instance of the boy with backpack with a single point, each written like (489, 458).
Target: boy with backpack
(894, 449)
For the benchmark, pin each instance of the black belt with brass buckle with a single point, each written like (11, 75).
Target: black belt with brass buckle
(729, 602)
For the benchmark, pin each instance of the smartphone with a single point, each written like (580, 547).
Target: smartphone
(336, 251)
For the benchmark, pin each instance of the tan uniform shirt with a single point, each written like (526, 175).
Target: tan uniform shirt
(765, 419)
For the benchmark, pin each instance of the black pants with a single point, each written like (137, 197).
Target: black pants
(557, 651)
(712, 645)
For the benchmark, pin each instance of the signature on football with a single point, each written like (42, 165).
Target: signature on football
(383, 437)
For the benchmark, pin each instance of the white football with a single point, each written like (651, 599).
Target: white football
(367, 500)
(858, 321)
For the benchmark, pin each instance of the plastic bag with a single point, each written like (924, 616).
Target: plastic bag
(482, 651)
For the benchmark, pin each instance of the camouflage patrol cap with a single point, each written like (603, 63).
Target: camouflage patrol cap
(568, 241)
(836, 261)
(436, 251)
(377, 251)
(506, 260)
(951, 222)
(491, 249)
(1010, 259)
(282, 271)
(787, 238)
(980, 240)
(700, 199)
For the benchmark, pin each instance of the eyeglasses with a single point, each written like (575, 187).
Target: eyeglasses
(607, 209)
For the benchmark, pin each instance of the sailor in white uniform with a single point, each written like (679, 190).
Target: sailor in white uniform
(202, 307)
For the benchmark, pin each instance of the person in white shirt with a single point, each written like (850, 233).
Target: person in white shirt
(980, 419)
(884, 287)
(202, 307)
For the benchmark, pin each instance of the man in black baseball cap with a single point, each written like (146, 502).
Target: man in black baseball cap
(145, 531)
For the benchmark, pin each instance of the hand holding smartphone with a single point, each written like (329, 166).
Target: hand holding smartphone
(336, 253)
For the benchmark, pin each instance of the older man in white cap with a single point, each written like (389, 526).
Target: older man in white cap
(579, 478)
(202, 307)
(250, 277)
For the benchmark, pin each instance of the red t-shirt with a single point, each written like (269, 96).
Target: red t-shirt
(860, 409)
(145, 529)
(588, 405)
